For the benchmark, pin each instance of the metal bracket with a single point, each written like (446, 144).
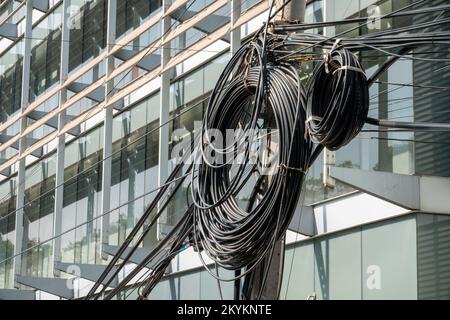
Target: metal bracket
(37, 153)
(14, 294)
(41, 5)
(148, 63)
(138, 256)
(303, 221)
(87, 271)
(58, 287)
(423, 193)
(329, 159)
(8, 30)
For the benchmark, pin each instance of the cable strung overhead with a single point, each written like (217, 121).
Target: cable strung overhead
(247, 92)
(338, 100)
(286, 115)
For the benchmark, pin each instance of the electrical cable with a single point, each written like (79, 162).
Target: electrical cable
(257, 86)
(259, 82)
(141, 238)
(137, 227)
(220, 224)
(338, 100)
(412, 140)
(413, 126)
(149, 47)
(354, 28)
(261, 89)
(94, 165)
(168, 183)
(279, 27)
(182, 224)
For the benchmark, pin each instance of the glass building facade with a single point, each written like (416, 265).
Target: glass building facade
(74, 63)
(388, 259)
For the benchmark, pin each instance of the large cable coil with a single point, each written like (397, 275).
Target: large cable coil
(261, 88)
(338, 100)
(248, 91)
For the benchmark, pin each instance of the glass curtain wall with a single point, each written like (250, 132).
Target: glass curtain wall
(131, 13)
(87, 40)
(410, 90)
(7, 231)
(374, 261)
(188, 93)
(134, 177)
(405, 258)
(81, 201)
(11, 63)
(45, 53)
(87, 30)
(431, 150)
(38, 218)
(134, 167)
(403, 93)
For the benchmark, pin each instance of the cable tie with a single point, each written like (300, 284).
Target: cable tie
(328, 55)
(335, 44)
(301, 58)
(246, 86)
(350, 68)
(284, 169)
(247, 69)
(310, 118)
(315, 118)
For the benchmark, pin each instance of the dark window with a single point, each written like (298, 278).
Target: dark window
(88, 33)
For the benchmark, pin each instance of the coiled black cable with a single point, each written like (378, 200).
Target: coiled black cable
(261, 88)
(338, 100)
(247, 92)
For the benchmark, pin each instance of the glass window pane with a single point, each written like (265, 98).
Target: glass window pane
(338, 266)
(433, 256)
(298, 273)
(389, 259)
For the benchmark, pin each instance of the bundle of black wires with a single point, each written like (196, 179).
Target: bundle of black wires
(250, 91)
(338, 100)
(259, 91)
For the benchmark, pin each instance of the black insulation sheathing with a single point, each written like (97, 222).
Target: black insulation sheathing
(262, 80)
(232, 237)
(338, 100)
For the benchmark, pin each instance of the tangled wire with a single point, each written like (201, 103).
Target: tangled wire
(279, 128)
(257, 91)
(246, 93)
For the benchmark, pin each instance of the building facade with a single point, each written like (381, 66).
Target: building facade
(96, 95)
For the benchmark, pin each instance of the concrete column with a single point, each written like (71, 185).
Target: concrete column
(107, 127)
(235, 37)
(60, 149)
(20, 188)
(164, 94)
(329, 157)
(294, 11)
